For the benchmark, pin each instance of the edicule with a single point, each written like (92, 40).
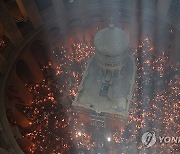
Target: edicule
(106, 88)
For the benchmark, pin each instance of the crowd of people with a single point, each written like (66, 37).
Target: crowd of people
(56, 127)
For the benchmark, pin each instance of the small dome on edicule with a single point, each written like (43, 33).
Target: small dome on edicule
(111, 40)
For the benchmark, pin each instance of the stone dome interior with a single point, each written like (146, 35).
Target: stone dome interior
(44, 54)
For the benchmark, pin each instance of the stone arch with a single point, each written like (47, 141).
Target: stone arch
(75, 22)
(96, 18)
(54, 31)
(69, 4)
(43, 5)
(23, 71)
(39, 52)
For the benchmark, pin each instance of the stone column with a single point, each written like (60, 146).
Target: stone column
(17, 91)
(29, 9)
(163, 7)
(2, 64)
(2, 150)
(58, 6)
(25, 144)
(22, 8)
(134, 29)
(178, 25)
(20, 119)
(33, 66)
(9, 26)
(176, 48)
